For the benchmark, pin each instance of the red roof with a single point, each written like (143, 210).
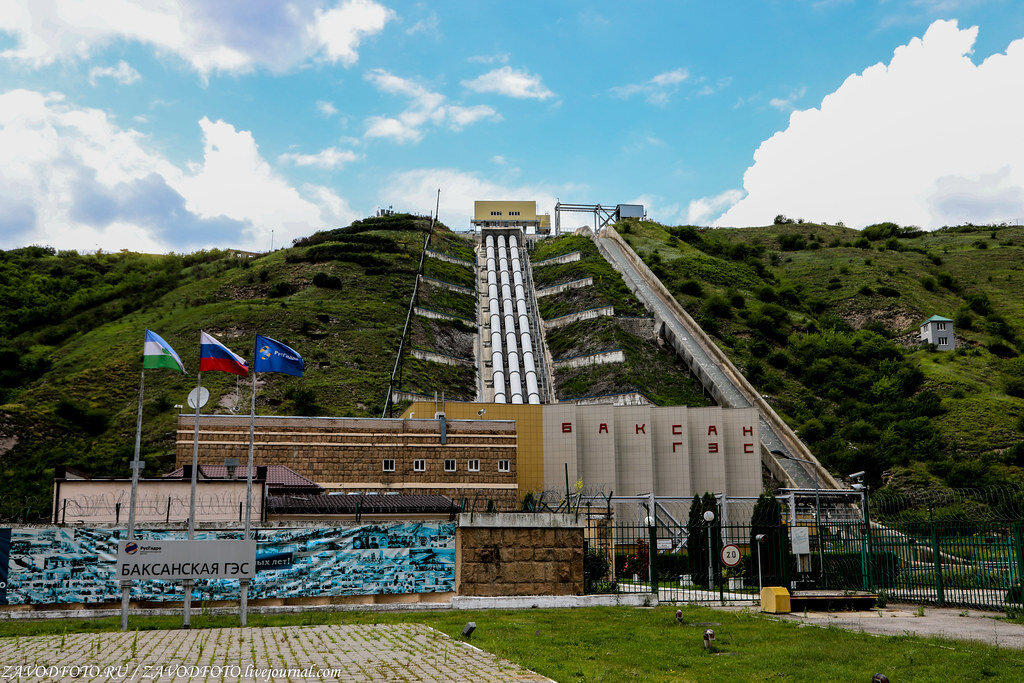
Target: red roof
(278, 476)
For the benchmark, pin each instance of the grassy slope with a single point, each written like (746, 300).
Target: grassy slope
(348, 337)
(629, 644)
(833, 284)
(458, 382)
(655, 372)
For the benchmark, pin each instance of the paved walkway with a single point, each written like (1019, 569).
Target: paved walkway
(898, 620)
(400, 652)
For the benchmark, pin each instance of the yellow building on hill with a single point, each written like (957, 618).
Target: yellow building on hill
(510, 214)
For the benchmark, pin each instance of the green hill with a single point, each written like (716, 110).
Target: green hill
(73, 326)
(822, 319)
(824, 322)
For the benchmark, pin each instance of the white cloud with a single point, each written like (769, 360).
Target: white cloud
(786, 103)
(490, 59)
(235, 36)
(929, 139)
(72, 178)
(656, 90)
(330, 158)
(510, 82)
(426, 108)
(417, 190)
(428, 25)
(326, 108)
(123, 73)
(702, 211)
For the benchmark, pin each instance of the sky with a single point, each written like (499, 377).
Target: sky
(159, 125)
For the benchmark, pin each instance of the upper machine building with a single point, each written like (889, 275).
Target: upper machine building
(510, 214)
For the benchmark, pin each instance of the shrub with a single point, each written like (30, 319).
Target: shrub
(880, 231)
(865, 291)
(595, 569)
(718, 306)
(979, 303)
(947, 281)
(279, 289)
(326, 281)
(691, 287)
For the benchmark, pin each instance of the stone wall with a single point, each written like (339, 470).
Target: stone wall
(519, 554)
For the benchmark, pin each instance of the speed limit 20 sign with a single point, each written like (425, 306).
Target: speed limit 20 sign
(731, 555)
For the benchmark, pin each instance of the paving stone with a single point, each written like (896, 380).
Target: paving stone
(399, 652)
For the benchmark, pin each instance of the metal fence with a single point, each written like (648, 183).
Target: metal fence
(818, 546)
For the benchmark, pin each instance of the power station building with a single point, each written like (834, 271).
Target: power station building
(510, 214)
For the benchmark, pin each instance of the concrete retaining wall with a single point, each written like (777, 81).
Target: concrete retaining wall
(600, 358)
(563, 258)
(442, 358)
(449, 259)
(570, 318)
(447, 285)
(566, 286)
(438, 315)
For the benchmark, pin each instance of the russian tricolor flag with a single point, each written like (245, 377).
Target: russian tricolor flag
(215, 356)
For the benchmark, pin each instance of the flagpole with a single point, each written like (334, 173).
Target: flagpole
(126, 585)
(192, 497)
(248, 490)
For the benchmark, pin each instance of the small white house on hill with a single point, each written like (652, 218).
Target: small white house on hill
(939, 331)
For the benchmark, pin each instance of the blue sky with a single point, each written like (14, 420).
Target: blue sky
(164, 126)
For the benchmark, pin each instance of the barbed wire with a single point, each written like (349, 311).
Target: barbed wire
(982, 504)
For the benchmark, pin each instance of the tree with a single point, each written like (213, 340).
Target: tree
(767, 519)
(697, 538)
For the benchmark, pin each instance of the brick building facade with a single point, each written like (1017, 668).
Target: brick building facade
(461, 459)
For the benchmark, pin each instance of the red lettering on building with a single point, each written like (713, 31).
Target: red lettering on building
(713, 447)
(567, 427)
(712, 429)
(676, 443)
(748, 431)
(748, 448)
(641, 429)
(602, 428)
(677, 430)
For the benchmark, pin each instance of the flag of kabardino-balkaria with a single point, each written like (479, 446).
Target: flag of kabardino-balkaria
(215, 356)
(156, 353)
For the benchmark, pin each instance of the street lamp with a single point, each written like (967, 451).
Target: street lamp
(759, 538)
(817, 504)
(709, 517)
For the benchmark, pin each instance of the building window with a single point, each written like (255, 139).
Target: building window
(513, 213)
(449, 465)
(503, 466)
(474, 466)
(942, 326)
(389, 465)
(419, 465)
(495, 213)
(943, 341)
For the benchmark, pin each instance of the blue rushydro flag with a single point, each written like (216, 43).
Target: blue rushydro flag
(273, 356)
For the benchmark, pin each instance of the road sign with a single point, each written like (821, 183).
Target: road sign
(731, 555)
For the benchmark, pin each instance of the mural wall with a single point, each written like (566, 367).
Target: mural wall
(66, 565)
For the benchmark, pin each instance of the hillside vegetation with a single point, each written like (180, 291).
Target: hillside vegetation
(72, 331)
(824, 321)
(656, 372)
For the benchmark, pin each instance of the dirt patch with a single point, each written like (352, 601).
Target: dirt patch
(441, 336)
(895, 319)
(7, 443)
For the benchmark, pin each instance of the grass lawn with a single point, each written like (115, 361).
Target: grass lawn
(627, 644)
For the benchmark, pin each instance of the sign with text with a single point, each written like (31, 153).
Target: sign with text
(800, 538)
(181, 560)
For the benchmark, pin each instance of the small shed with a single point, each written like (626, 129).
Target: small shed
(938, 331)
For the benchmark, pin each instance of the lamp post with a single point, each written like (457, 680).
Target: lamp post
(709, 517)
(759, 538)
(817, 504)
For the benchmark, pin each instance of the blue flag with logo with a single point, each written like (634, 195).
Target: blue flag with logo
(273, 356)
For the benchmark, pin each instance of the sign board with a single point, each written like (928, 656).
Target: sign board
(731, 555)
(180, 560)
(800, 537)
(664, 544)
